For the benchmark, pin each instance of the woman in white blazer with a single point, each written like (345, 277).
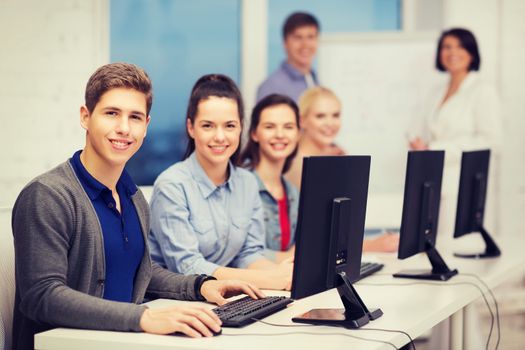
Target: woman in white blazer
(463, 114)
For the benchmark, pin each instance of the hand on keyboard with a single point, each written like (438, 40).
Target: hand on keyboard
(215, 291)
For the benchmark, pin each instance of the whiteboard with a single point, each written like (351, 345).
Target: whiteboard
(382, 80)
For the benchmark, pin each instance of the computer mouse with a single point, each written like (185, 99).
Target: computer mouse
(179, 334)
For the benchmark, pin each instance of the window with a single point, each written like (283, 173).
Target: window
(176, 42)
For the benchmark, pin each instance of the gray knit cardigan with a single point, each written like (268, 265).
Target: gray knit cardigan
(60, 267)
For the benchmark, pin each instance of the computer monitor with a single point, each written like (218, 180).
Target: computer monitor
(329, 238)
(471, 201)
(419, 220)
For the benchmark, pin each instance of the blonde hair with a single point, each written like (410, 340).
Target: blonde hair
(308, 98)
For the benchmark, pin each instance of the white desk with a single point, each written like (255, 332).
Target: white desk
(413, 309)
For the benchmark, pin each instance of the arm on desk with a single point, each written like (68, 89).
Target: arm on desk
(386, 242)
(196, 321)
(279, 256)
(262, 273)
(171, 285)
(44, 228)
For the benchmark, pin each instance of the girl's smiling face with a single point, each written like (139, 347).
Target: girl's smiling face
(216, 130)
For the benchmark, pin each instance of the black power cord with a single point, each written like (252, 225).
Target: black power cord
(392, 331)
(305, 333)
(495, 304)
(355, 329)
(444, 285)
(370, 329)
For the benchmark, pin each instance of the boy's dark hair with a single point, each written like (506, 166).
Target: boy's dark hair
(117, 75)
(299, 19)
(217, 85)
(250, 157)
(468, 42)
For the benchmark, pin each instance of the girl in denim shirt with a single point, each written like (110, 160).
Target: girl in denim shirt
(207, 216)
(274, 133)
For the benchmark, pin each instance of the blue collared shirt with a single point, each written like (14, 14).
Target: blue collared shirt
(286, 81)
(123, 239)
(197, 226)
(271, 215)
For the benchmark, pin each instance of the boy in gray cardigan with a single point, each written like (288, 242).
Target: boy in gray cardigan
(80, 232)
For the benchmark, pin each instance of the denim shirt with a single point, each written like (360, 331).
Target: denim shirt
(286, 81)
(271, 215)
(197, 226)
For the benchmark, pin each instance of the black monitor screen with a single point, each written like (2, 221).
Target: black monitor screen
(472, 192)
(419, 220)
(323, 180)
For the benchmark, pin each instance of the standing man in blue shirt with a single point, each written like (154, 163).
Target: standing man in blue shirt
(295, 75)
(80, 232)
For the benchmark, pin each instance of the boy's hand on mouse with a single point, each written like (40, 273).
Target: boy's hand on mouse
(193, 321)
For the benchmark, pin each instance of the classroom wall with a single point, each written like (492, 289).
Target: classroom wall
(49, 50)
(512, 75)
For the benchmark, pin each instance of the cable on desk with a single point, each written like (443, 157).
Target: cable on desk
(283, 325)
(308, 333)
(391, 331)
(367, 328)
(444, 285)
(495, 304)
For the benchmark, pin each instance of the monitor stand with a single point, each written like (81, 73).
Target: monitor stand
(354, 315)
(491, 248)
(439, 272)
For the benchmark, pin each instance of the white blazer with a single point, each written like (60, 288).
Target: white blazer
(469, 120)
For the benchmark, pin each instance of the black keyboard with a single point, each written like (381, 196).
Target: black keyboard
(241, 312)
(368, 268)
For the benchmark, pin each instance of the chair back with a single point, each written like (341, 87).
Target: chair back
(7, 278)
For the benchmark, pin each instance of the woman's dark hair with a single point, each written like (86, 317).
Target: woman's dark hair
(216, 85)
(250, 157)
(467, 41)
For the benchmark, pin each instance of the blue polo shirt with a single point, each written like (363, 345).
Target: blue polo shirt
(123, 239)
